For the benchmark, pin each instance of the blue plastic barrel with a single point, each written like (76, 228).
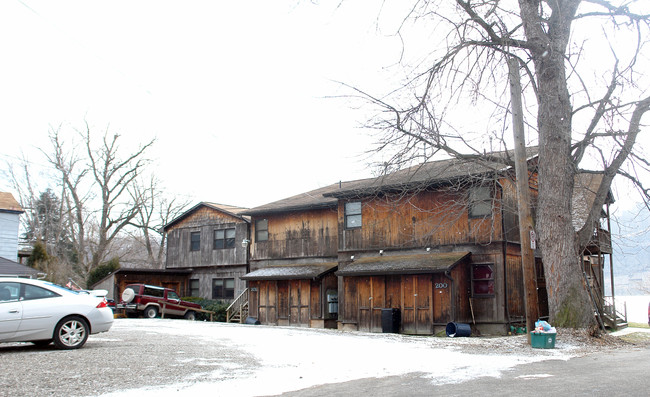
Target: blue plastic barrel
(458, 329)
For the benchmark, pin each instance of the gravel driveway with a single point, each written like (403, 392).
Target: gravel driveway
(163, 355)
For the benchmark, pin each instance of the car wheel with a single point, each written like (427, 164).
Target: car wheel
(190, 316)
(151, 312)
(71, 333)
(42, 342)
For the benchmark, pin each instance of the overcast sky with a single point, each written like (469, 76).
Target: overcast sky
(238, 94)
(242, 97)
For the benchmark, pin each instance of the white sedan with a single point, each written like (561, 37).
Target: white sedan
(42, 312)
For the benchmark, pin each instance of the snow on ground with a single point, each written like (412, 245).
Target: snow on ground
(636, 306)
(272, 360)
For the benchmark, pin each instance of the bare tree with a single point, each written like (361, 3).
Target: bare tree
(155, 212)
(97, 178)
(585, 103)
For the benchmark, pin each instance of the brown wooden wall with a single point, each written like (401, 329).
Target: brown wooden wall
(205, 220)
(311, 233)
(179, 283)
(424, 300)
(427, 218)
(290, 302)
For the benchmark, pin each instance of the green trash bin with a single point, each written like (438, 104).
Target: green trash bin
(542, 340)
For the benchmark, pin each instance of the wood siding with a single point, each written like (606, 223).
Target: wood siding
(311, 233)
(291, 302)
(428, 218)
(424, 300)
(206, 221)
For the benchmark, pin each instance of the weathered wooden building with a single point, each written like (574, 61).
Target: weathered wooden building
(211, 242)
(293, 260)
(436, 243)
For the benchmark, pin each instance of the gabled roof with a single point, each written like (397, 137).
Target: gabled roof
(292, 272)
(403, 264)
(434, 173)
(314, 199)
(428, 173)
(11, 268)
(9, 204)
(237, 212)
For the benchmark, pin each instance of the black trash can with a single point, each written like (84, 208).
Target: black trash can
(252, 321)
(458, 329)
(390, 321)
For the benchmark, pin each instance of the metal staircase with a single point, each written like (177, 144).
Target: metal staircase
(238, 309)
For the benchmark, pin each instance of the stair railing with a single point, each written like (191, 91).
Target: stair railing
(238, 307)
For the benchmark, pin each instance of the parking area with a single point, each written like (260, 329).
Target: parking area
(163, 356)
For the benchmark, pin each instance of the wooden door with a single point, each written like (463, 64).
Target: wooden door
(283, 299)
(263, 298)
(267, 302)
(416, 308)
(299, 293)
(378, 289)
(364, 303)
(372, 292)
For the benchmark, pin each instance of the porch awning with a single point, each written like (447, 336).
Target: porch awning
(403, 264)
(292, 272)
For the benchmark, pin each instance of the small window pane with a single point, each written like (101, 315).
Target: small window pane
(262, 230)
(230, 238)
(480, 202)
(194, 287)
(195, 241)
(353, 215)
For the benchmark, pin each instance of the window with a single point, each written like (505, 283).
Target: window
(173, 295)
(262, 230)
(353, 215)
(224, 238)
(195, 241)
(482, 280)
(194, 287)
(9, 292)
(480, 202)
(223, 288)
(34, 292)
(153, 291)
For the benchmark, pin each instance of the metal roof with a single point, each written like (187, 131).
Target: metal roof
(292, 272)
(403, 264)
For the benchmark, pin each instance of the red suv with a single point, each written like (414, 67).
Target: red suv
(150, 301)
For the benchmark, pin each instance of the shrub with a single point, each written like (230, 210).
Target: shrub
(217, 306)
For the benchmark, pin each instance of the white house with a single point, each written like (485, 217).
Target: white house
(10, 212)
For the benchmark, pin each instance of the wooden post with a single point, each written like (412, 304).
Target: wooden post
(526, 230)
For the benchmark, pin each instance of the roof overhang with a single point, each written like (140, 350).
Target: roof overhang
(404, 264)
(292, 272)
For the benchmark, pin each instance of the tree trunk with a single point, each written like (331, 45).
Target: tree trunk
(568, 301)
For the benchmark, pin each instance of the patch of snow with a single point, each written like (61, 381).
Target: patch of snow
(289, 359)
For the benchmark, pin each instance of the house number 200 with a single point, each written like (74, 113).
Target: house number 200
(441, 285)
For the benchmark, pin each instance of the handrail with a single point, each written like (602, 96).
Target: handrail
(238, 304)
